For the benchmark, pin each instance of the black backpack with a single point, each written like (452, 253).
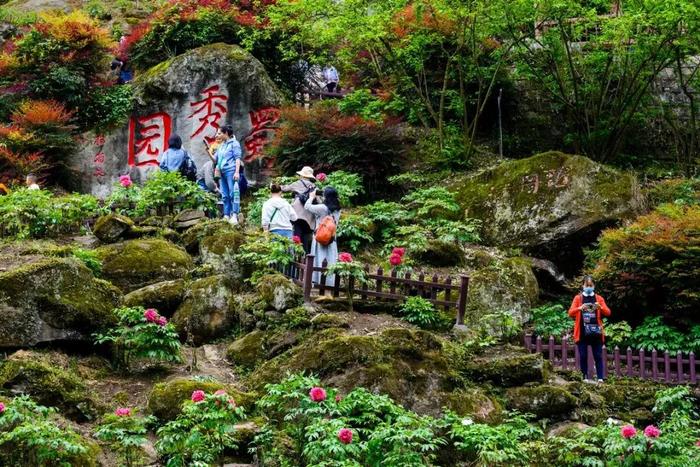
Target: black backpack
(304, 197)
(188, 169)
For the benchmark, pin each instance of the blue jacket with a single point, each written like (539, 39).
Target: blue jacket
(227, 154)
(172, 160)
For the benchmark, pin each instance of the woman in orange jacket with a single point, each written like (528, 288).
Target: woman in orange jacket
(587, 310)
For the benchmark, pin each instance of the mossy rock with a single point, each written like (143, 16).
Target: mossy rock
(112, 227)
(137, 263)
(543, 401)
(50, 381)
(530, 202)
(278, 292)
(475, 403)
(219, 250)
(507, 366)
(210, 310)
(53, 299)
(330, 320)
(165, 400)
(620, 398)
(247, 350)
(192, 237)
(165, 297)
(441, 254)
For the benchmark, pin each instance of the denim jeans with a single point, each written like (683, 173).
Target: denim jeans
(282, 233)
(597, 350)
(226, 185)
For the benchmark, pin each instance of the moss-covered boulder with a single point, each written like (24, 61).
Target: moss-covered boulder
(165, 400)
(112, 227)
(544, 401)
(165, 296)
(622, 399)
(50, 381)
(247, 350)
(476, 403)
(498, 285)
(218, 252)
(530, 202)
(137, 263)
(192, 237)
(46, 299)
(278, 292)
(505, 366)
(211, 309)
(441, 254)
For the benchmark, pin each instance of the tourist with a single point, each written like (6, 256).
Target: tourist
(205, 178)
(32, 182)
(305, 224)
(330, 74)
(587, 309)
(328, 206)
(176, 159)
(277, 214)
(123, 71)
(229, 165)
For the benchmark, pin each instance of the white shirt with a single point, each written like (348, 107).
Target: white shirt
(34, 186)
(278, 214)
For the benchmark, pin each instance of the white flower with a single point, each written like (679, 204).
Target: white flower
(467, 421)
(611, 421)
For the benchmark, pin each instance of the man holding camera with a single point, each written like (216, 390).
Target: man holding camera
(305, 224)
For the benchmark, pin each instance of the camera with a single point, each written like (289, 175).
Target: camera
(319, 192)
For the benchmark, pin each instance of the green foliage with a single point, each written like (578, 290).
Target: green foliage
(90, 259)
(419, 311)
(653, 334)
(361, 102)
(168, 188)
(125, 435)
(28, 213)
(354, 231)
(617, 334)
(684, 191)
(266, 252)
(502, 323)
(201, 433)
(551, 320)
(107, 108)
(431, 201)
(348, 185)
(135, 336)
(348, 271)
(30, 435)
(408, 439)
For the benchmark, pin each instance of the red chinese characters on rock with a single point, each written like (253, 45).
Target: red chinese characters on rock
(263, 127)
(208, 112)
(148, 138)
(99, 159)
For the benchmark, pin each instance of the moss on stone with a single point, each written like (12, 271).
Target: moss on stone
(111, 227)
(441, 254)
(278, 292)
(330, 320)
(47, 379)
(507, 366)
(192, 237)
(165, 400)
(136, 263)
(544, 401)
(166, 296)
(247, 350)
(219, 252)
(475, 403)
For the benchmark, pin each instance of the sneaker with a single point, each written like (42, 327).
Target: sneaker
(234, 219)
(226, 218)
(589, 381)
(600, 380)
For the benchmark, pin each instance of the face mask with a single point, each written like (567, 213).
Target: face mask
(588, 290)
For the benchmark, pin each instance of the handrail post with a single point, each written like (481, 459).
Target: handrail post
(308, 276)
(462, 300)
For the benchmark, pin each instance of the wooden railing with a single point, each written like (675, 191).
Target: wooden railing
(441, 292)
(657, 366)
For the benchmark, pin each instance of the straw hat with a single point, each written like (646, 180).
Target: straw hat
(307, 172)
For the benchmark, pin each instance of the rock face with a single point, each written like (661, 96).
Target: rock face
(52, 299)
(508, 366)
(278, 292)
(165, 296)
(190, 95)
(112, 227)
(530, 202)
(136, 263)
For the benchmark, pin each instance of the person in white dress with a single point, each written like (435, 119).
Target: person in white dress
(329, 206)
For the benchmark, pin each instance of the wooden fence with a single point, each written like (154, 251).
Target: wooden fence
(440, 292)
(653, 365)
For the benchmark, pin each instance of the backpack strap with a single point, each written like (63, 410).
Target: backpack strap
(273, 214)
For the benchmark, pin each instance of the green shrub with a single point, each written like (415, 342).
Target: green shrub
(107, 108)
(126, 434)
(551, 320)
(651, 267)
(265, 253)
(348, 185)
(141, 334)
(354, 230)
(90, 259)
(653, 334)
(419, 311)
(168, 188)
(28, 213)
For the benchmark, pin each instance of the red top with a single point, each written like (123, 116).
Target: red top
(575, 313)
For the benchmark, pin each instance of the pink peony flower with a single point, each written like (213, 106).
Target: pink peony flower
(317, 394)
(345, 435)
(321, 177)
(652, 432)
(296, 239)
(151, 315)
(398, 251)
(220, 392)
(338, 398)
(697, 443)
(395, 260)
(162, 321)
(198, 396)
(628, 431)
(125, 181)
(345, 258)
(2, 407)
(122, 412)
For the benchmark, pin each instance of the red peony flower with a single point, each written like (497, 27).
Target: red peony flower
(628, 431)
(652, 432)
(317, 394)
(395, 260)
(122, 412)
(2, 407)
(398, 251)
(345, 258)
(697, 443)
(125, 181)
(321, 177)
(338, 398)
(151, 315)
(296, 239)
(162, 321)
(345, 435)
(198, 396)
